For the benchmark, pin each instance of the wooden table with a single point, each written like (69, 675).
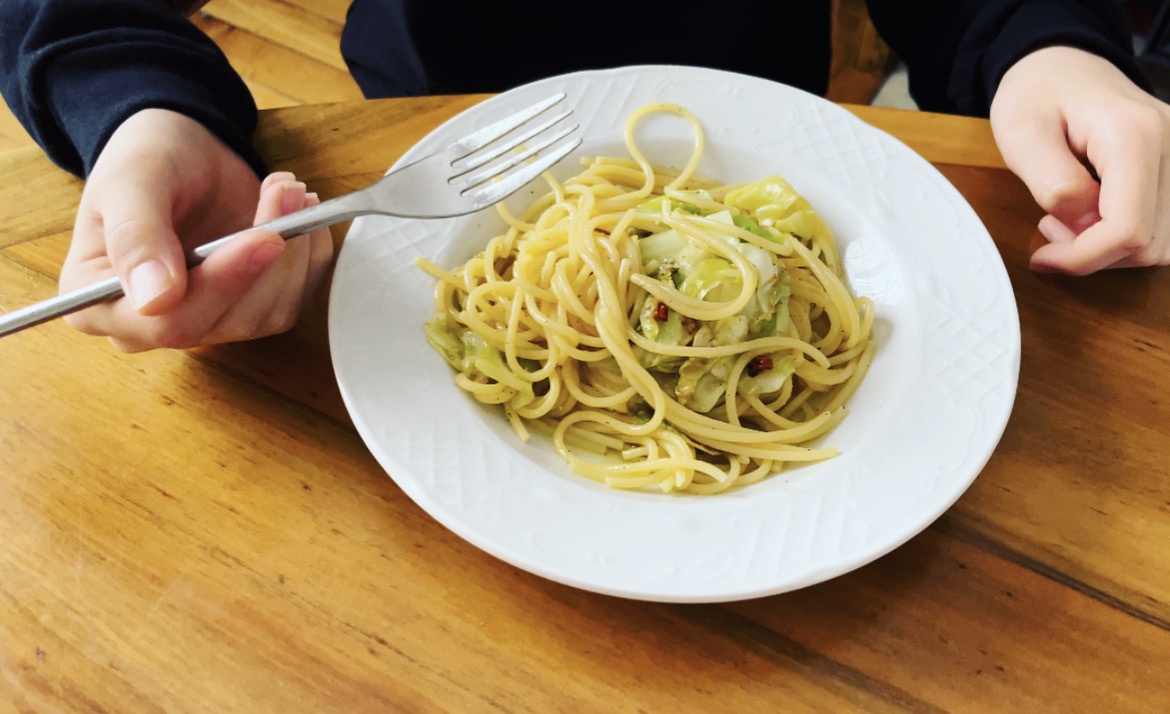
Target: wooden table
(206, 532)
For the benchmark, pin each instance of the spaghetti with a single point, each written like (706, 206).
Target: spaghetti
(665, 330)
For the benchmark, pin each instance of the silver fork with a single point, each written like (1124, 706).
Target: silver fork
(470, 174)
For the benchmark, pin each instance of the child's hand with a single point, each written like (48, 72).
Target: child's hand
(1060, 111)
(164, 184)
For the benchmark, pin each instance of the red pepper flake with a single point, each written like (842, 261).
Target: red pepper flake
(662, 312)
(757, 364)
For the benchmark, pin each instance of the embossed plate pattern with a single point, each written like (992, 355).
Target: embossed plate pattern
(921, 427)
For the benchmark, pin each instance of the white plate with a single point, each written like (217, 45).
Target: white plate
(921, 427)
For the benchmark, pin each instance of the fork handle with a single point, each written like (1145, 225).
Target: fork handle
(326, 213)
(291, 225)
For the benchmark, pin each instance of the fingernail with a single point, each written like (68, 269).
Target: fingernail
(292, 196)
(148, 281)
(1084, 222)
(278, 177)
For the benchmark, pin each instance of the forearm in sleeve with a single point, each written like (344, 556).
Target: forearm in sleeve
(73, 70)
(957, 51)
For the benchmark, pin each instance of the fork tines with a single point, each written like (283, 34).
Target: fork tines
(512, 157)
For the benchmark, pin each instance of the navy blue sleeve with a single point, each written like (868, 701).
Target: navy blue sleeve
(73, 70)
(956, 51)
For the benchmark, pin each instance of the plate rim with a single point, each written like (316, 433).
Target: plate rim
(392, 463)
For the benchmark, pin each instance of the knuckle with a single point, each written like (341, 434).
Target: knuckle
(125, 241)
(1064, 194)
(83, 322)
(232, 332)
(283, 321)
(1146, 121)
(127, 346)
(131, 241)
(235, 329)
(174, 336)
(1152, 254)
(124, 234)
(1136, 241)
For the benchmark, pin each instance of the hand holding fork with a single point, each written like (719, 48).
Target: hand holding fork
(470, 174)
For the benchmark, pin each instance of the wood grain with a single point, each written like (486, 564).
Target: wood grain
(330, 10)
(968, 141)
(278, 75)
(12, 134)
(293, 26)
(27, 214)
(861, 60)
(205, 532)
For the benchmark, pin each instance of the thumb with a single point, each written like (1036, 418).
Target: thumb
(144, 250)
(1038, 151)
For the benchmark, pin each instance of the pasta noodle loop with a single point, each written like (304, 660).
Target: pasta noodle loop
(662, 329)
